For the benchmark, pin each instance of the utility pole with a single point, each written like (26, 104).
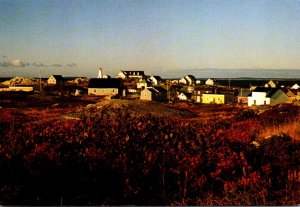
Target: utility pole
(168, 91)
(40, 80)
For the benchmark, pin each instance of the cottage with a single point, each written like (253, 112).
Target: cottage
(105, 87)
(262, 96)
(55, 80)
(291, 93)
(272, 84)
(183, 80)
(197, 93)
(295, 86)
(183, 96)
(131, 74)
(156, 80)
(154, 94)
(210, 82)
(188, 80)
(142, 84)
(198, 82)
(217, 98)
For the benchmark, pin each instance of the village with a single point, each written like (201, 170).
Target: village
(136, 85)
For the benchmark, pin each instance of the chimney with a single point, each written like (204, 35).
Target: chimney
(100, 75)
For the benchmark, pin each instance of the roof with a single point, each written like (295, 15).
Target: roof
(191, 77)
(133, 72)
(289, 92)
(156, 89)
(276, 82)
(244, 93)
(105, 83)
(152, 90)
(269, 91)
(157, 77)
(188, 95)
(160, 89)
(211, 79)
(58, 77)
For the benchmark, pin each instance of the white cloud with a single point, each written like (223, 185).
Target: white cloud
(17, 63)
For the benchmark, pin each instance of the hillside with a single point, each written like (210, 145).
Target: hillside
(137, 108)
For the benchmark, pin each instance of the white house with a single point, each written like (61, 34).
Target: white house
(55, 79)
(130, 74)
(105, 87)
(188, 80)
(263, 96)
(142, 84)
(156, 80)
(154, 94)
(210, 82)
(272, 84)
(295, 86)
(183, 80)
(184, 96)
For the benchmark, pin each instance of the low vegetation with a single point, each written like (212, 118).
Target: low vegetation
(110, 154)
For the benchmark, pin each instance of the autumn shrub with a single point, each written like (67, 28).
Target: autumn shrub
(119, 158)
(246, 114)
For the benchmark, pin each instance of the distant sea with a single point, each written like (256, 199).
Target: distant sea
(240, 77)
(235, 73)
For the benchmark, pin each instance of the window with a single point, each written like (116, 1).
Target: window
(95, 90)
(265, 102)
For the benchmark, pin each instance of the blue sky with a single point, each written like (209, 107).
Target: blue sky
(75, 37)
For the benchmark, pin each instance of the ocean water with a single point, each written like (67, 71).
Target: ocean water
(235, 73)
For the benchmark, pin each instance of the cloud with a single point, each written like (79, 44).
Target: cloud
(39, 65)
(5, 64)
(17, 63)
(72, 65)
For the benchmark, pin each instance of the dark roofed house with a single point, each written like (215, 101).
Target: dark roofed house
(270, 96)
(272, 84)
(184, 96)
(130, 74)
(188, 80)
(55, 79)
(105, 87)
(154, 94)
(155, 79)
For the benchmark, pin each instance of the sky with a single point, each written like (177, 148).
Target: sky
(76, 37)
